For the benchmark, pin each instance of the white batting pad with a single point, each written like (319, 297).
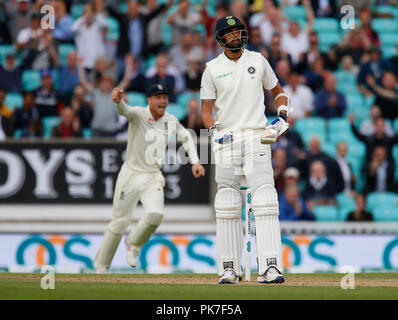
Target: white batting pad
(228, 207)
(107, 250)
(268, 234)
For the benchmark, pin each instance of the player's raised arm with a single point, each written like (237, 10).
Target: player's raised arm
(122, 108)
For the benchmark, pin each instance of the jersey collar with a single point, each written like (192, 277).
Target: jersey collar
(232, 61)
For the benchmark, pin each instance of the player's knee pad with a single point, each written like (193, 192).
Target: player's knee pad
(228, 207)
(153, 218)
(228, 203)
(265, 201)
(144, 229)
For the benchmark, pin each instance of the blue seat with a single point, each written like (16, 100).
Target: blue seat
(4, 49)
(380, 199)
(177, 110)
(49, 123)
(76, 10)
(326, 39)
(388, 39)
(326, 213)
(382, 25)
(340, 130)
(136, 99)
(87, 133)
(395, 125)
(309, 127)
(329, 148)
(348, 88)
(344, 76)
(384, 213)
(328, 25)
(356, 149)
(295, 12)
(113, 33)
(395, 156)
(17, 133)
(31, 80)
(63, 50)
(388, 51)
(13, 100)
(386, 9)
(346, 205)
(183, 98)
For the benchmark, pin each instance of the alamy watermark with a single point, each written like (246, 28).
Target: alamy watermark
(348, 281)
(48, 20)
(47, 281)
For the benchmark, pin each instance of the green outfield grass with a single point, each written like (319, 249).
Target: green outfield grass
(195, 287)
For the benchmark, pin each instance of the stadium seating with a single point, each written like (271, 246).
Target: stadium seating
(309, 127)
(87, 133)
(388, 39)
(13, 100)
(388, 52)
(385, 213)
(395, 156)
(326, 39)
(30, 80)
(382, 25)
(387, 9)
(326, 25)
(49, 123)
(76, 10)
(183, 98)
(326, 213)
(295, 13)
(4, 49)
(113, 32)
(339, 129)
(346, 205)
(345, 76)
(63, 50)
(177, 110)
(381, 199)
(136, 99)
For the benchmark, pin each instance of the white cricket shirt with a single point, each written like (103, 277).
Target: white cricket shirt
(237, 88)
(148, 138)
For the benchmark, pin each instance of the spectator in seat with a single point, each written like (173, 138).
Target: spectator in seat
(370, 36)
(279, 164)
(48, 100)
(329, 103)
(345, 168)
(379, 138)
(255, 42)
(324, 8)
(319, 189)
(194, 119)
(183, 20)
(193, 75)
(63, 23)
(351, 45)
(314, 75)
(89, 35)
(69, 126)
(283, 71)
(291, 176)
(179, 53)
(137, 78)
(275, 54)
(5, 117)
(292, 206)
(295, 41)
(82, 109)
(68, 77)
(105, 116)
(11, 73)
(360, 213)
(18, 15)
(27, 118)
(368, 126)
(161, 76)
(376, 67)
(386, 94)
(301, 96)
(379, 172)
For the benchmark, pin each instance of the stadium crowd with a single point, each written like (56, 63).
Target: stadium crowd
(342, 82)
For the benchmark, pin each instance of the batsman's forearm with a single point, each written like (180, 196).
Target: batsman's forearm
(208, 120)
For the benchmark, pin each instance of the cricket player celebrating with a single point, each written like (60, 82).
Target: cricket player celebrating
(140, 178)
(232, 84)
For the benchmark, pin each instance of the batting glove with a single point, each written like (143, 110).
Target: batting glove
(277, 128)
(218, 137)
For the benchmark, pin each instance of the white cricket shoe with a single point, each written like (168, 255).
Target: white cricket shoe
(229, 277)
(272, 275)
(101, 270)
(133, 254)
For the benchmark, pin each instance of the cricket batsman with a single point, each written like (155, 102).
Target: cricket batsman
(232, 84)
(140, 178)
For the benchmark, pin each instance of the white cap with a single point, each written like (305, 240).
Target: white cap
(291, 172)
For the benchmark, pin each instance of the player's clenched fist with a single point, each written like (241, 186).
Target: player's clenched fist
(117, 95)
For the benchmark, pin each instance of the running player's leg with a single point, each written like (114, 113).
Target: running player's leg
(228, 208)
(125, 200)
(152, 199)
(259, 174)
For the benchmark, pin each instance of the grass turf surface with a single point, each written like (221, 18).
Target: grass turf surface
(195, 287)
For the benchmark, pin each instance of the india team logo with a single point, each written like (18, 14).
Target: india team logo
(251, 70)
(231, 21)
